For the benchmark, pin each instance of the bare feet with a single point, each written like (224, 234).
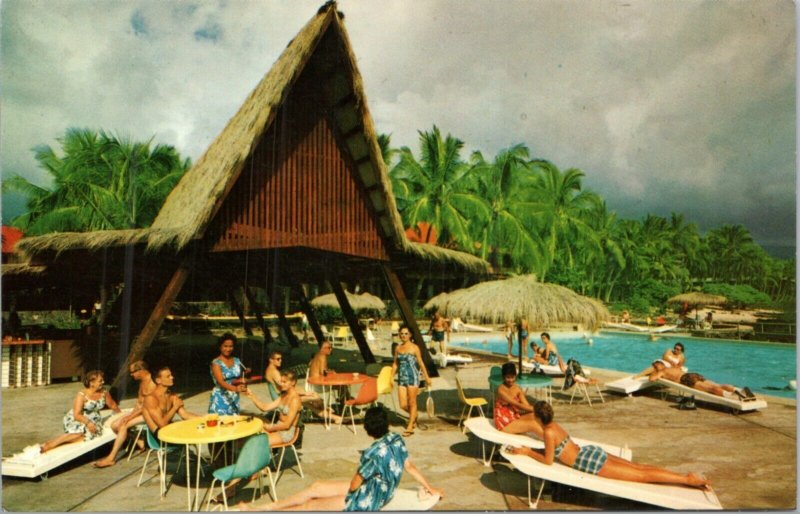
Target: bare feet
(698, 481)
(104, 463)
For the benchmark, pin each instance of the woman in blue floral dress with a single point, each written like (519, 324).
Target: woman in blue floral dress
(225, 370)
(83, 420)
(373, 486)
(409, 368)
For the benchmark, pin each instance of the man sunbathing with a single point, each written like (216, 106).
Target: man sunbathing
(697, 381)
(140, 372)
(161, 405)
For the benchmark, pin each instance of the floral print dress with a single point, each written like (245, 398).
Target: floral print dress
(91, 409)
(224, 402)
(381, 467)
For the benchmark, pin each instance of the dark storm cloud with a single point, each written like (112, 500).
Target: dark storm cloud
(684, 106)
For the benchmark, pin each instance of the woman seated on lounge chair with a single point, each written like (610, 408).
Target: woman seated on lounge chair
(594, 460)
(373, 484)
(510, 400)
(83, 420)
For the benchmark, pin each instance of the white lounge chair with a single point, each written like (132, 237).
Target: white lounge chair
(629, 385)
(735, 404)
(442, 360)
(552, 371)
(31, 464)
(484, 429)
(663, 495)
(410, 500)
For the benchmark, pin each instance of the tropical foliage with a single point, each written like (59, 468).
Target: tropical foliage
(99, 181)
(525, 215)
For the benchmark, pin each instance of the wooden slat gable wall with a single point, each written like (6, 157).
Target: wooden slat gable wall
(297, 190)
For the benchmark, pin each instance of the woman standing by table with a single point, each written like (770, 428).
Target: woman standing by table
(408, 367)
(225, 369)
(83, 421)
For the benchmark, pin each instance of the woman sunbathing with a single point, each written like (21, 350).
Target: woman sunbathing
(83, 420)
(373, 484)
(594, 460)
(510, 400)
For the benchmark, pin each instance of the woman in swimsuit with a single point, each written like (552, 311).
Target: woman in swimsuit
(83, 421)
(550, 353)
(288, 404)
(509, 401)
(510, 329)
(594, 460)
(408, 367)
(675, 357)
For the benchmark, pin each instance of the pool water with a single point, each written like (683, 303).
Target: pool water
(764, 367)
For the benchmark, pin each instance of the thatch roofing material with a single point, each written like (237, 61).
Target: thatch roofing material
(522, 297)
(358, 302)
(22, 269)
(697, 298)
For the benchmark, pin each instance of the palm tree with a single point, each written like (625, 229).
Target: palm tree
(508, 238)
(99, 182)
(435, 189)
(727, 244)
(560, 207)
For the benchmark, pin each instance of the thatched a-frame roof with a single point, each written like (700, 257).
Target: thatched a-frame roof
(192, 205)
(542, 304)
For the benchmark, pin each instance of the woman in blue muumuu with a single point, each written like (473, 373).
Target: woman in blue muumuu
(374, 483)
(227, 372)
(594, 460)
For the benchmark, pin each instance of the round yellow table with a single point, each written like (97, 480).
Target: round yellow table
(194, 431)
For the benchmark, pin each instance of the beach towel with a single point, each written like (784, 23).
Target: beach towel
(573, 369)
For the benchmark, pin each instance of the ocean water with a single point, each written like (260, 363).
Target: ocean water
(764, 367)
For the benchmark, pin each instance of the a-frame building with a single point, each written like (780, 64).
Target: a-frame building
(294, 190)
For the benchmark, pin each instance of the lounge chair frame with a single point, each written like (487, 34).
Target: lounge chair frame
(19, 466)
(662, 495)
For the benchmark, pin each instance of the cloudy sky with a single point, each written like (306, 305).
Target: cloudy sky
(666, 105)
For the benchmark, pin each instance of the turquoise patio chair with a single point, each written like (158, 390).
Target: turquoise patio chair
(161, 449)
(254, 456)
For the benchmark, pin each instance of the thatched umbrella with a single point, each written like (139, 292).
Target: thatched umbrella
(697, 299)
(522, 297)
(438, 302)
(359, 302)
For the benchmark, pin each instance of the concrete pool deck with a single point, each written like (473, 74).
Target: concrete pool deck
(750, 458)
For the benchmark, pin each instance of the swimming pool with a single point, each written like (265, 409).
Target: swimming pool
(764, 367)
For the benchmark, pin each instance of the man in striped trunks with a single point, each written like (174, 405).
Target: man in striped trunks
(699, 382)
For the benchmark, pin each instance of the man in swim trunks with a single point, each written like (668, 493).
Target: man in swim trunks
(161, 405)
(697, 381)
(139, 371)
(440, 331)
(318, 367)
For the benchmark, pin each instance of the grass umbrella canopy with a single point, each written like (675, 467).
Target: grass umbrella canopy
(696, 298)
(525, 297)
(438, 302)
(359, 302)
